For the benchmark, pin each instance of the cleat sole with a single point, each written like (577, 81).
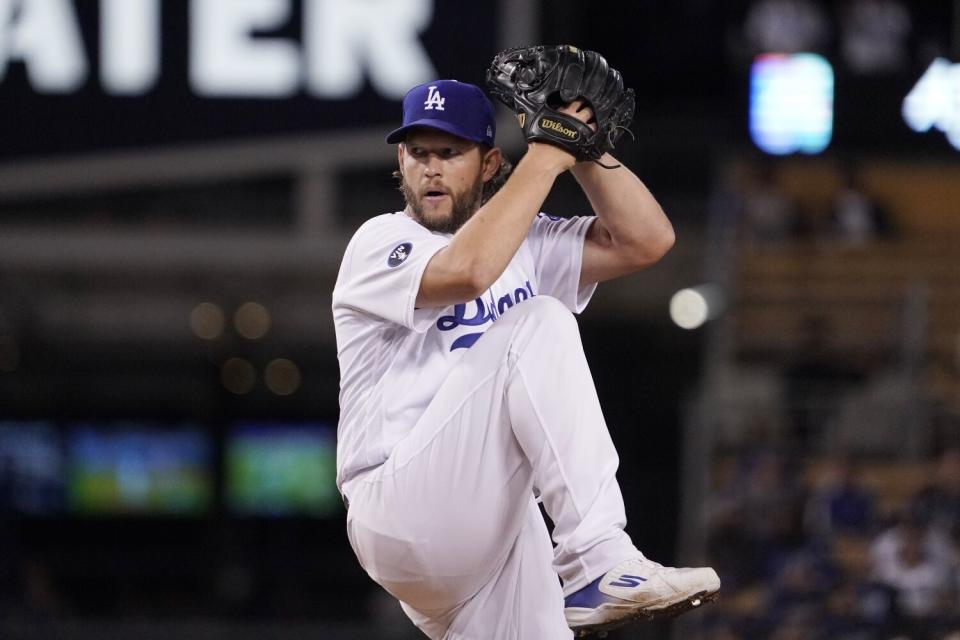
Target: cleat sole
(663, 613)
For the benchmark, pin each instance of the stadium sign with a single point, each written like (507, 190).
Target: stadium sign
(343, 41)
(82, 75)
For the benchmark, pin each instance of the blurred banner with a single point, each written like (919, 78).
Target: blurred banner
(86, 76)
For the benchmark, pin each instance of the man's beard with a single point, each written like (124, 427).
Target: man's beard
(464, 205)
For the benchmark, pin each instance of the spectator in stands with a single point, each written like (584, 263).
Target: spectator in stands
(855, 217)
(939, 503)
(756, 522)
(802, 623)
(815, 380)
(839, 505)
(914, 560)
(716, 626)
(769, 214)
(955, 565)
(802, 582)
(728, 545)
(856, 609)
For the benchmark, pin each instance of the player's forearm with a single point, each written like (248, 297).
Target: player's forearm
(485, 245)
(632, 217)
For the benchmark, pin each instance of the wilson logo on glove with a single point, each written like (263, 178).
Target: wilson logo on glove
(557, 127)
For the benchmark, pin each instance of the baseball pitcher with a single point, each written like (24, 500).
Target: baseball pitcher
(465, 395)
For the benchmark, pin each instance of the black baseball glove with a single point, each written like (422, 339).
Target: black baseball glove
(536, 81)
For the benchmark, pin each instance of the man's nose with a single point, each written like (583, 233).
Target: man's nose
(433, 165)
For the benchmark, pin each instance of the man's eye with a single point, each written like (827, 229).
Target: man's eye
(449, 152)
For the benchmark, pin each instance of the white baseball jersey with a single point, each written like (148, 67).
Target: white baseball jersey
(393, 356)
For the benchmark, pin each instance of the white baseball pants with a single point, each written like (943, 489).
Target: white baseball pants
(448, 523)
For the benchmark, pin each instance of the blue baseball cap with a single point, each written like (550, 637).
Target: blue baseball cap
(459, 108)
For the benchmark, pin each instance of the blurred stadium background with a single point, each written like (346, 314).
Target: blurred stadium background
(178, 180)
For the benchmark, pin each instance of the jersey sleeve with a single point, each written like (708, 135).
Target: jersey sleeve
(382, 268)
(557, 245)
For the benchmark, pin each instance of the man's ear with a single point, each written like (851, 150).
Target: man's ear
(400, 157)
(491, 163)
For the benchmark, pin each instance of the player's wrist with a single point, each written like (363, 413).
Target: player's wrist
(551, 156)
(604, 163)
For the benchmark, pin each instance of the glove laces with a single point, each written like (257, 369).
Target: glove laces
(617, 166)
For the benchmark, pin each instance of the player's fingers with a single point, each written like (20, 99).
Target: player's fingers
(575, 108)
(581, 110)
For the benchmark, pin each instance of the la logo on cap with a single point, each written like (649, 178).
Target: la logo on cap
(434, 100)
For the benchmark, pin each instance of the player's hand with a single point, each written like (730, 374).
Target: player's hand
(554, 155)
(580, 109)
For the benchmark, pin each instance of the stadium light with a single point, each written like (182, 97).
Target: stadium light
(791, 103)
(935, 101)
(690, 308)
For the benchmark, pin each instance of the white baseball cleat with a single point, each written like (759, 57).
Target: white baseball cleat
(638, 588)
